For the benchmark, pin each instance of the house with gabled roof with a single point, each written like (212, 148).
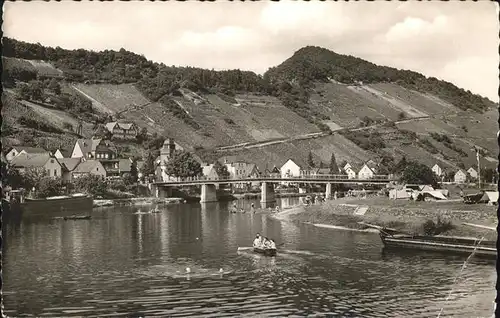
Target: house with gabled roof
(367, 171)
(438, 171)
(41, 160)
(62, 153)
(460, 176)
(352, 170)
(472, 173)
(94, 149)
(17, 150)
(122, 130)
(69, 165)
(90, 166)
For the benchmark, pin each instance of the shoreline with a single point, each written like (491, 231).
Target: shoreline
(405, 216)
(98, 203)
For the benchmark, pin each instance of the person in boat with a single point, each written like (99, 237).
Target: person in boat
(266, 244)
(272, 245)
(257, 242)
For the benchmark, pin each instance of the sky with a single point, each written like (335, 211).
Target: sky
(454, 41)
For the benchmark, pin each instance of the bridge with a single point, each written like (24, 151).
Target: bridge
(209, 185)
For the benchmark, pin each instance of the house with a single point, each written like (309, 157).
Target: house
(124, 166)
(347, 166)
(122, 130)
(94, 149)
(351, 171)
(210, 172)
(368, 171)
(290, 169)
(472, 172)
(17, 150)
(62, 153)
(438, 171)
(69, 166)
(90, 166)
(166, 153)
(460, 176)
(44, 160)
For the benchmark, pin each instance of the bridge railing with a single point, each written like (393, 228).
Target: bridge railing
(322, 177)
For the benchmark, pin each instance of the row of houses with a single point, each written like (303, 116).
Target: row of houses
(459, 176)
(89, 156)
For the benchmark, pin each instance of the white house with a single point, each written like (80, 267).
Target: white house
(460, 176)
(367, 171)
(17, 150)
(472, 172)
(351, 171)
(45, 161)
(437, 170)
(290, 169)
(347, 166)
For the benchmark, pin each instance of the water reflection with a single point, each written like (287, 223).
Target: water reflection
(120, 263)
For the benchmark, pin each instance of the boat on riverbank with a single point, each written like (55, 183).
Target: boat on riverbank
(446, 244)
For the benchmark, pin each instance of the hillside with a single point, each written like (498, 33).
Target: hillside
(314, 90)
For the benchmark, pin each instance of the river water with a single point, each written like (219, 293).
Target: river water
(121, 263)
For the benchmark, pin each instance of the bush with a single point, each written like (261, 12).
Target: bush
(436, 228)
(68, 126)
(229, 121)
(91, 184)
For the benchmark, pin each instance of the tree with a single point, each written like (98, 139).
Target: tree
(32, 176)
(11, 177)
(401, 165)
(310, 160)
(489, 175)
(221, 170)
(334, 168)
(142, 135)
(54, 86)
(128, 179)
(416, 172)
(91, 184)
(23, 90)
(48, 187)
(133, 169)
(182, 164)
(36, 90)
(148, 168)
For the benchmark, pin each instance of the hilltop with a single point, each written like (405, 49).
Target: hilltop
(359, 110)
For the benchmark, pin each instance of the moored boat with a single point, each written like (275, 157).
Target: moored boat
(265, 251)
(459, 245)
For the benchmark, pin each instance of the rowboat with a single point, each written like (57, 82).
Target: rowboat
(459, 245)
(265, 251)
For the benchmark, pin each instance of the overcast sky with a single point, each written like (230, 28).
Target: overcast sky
(454, 41)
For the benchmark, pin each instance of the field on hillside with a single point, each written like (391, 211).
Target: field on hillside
(428, 104)
(114, 98)
(41, 67)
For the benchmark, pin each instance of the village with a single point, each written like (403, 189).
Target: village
(98, 156)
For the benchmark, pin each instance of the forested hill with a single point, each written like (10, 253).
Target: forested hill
(306, 66)
(313, 63)
(365, 110)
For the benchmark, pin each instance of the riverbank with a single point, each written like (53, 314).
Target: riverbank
(136, 201)
(405, 216)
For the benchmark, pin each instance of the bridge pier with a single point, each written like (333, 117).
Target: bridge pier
(328, 193)
(267, 193)
(161, 192)
(208, 193)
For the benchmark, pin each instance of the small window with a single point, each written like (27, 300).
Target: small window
(96, 169)
(51, 160)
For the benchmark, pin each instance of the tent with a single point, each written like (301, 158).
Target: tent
(491, 197)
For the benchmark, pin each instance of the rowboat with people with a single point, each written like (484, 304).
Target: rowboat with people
(263, 245)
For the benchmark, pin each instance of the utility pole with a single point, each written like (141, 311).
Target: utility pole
(478, 168)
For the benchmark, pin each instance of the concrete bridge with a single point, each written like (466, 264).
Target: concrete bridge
(209, 185)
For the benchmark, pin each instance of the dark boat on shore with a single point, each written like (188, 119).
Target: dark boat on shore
(449, 244)
(265, 251)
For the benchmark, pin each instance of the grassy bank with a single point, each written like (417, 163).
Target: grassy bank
(136, 201)
(405, 216)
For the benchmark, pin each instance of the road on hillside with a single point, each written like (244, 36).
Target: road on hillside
(275, 141)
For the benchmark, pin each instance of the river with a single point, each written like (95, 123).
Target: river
(121, 263)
